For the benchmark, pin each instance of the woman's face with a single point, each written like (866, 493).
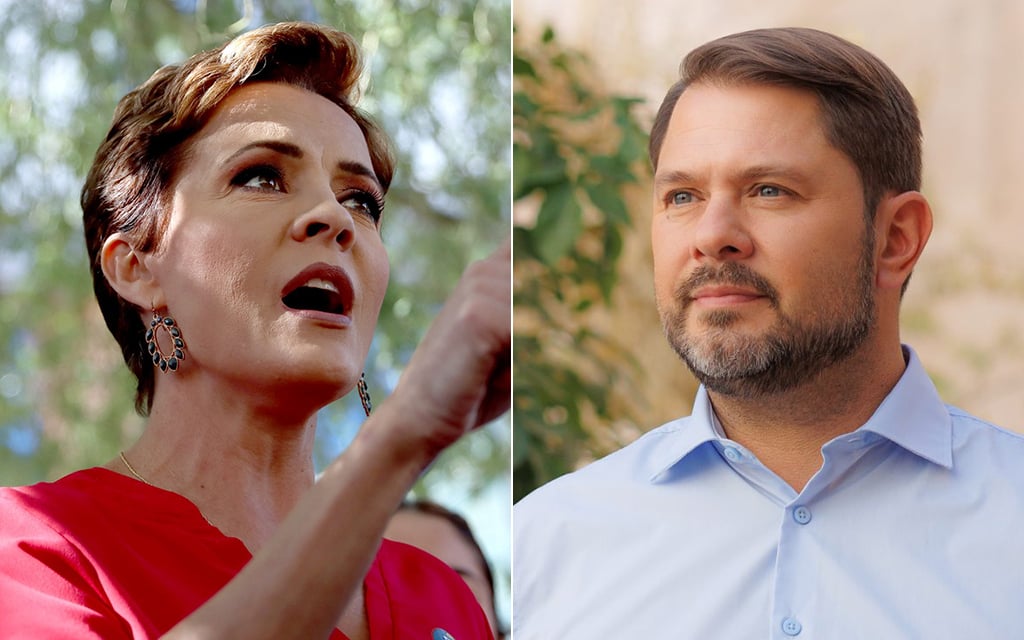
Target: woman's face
(272, 262)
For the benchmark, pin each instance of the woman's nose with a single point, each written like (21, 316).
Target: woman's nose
(327, 220)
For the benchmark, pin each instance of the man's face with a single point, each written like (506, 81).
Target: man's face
(763, 261)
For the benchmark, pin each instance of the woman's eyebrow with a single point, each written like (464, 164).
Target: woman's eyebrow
(284, 148)
(294, 151)
(359, 169)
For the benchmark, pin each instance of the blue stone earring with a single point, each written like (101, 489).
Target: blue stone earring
(364, 394)
(166, 361)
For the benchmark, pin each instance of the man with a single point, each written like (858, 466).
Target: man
(820, 488)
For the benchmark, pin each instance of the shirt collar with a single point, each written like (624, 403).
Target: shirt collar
(914, 417)
(684, 435)
(911, 416)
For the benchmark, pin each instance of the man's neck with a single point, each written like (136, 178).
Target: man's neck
(787, 430)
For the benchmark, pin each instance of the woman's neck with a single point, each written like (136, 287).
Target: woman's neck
(243, 466)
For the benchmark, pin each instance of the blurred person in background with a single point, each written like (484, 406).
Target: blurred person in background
(232, 218)
(820, 488)
(447, 536)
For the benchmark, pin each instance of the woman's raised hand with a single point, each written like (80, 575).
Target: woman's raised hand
(460, 376)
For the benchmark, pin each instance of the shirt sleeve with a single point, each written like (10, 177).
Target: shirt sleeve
(48, 589)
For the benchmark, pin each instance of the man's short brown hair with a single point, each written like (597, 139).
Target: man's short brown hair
(867, 112)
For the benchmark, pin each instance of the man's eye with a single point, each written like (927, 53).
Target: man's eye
(260, 178)
(363, 204)
(769, 191)
(681, 198)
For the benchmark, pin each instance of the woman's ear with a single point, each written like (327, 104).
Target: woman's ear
(903, 224)
(128, 274)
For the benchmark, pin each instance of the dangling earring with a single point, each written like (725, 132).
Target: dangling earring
(364, 394)
(166, 362)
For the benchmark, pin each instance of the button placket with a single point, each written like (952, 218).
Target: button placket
(793, 589)
(801, 514)
(791, 626)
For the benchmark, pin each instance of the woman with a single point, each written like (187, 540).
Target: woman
(232, 218)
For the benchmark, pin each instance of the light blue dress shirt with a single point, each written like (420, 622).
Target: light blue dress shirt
(911, 529)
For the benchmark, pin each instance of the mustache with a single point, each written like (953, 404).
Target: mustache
(729, 273)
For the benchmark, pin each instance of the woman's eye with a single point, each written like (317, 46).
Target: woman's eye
(681, 198)
(260, 178)
(363, 204)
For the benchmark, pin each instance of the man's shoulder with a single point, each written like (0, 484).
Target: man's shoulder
(991, 447)
(634, 464)
(965, 423)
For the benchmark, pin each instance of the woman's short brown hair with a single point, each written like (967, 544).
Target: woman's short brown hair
(867, 112)
(129, 186)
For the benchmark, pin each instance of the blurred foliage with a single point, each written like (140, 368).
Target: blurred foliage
(438, 80)
(575, 151)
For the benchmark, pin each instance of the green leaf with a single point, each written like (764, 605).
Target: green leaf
(535, 170)
(612, 244)
(523, 106)
(609, 168)
(523, 67)
(606, 197)
(587, 113)
(522, 244)
(559, 223)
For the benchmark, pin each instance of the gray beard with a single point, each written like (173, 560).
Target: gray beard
(789, 354)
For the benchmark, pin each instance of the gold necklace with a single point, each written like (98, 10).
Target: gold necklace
(139, 477)
(132, 470)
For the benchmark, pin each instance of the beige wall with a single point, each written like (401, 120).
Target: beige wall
(964, 63)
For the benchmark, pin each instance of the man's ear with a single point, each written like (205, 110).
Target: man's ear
(128, 274)
(903, 223)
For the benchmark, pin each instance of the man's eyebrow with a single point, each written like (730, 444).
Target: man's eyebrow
(774, 171)
(666, 178)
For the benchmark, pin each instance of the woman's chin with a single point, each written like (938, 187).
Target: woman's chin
(322, 388)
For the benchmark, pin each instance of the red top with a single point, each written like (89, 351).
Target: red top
(100, 555)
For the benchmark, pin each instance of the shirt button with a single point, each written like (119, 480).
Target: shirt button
(732, 455)
(802, 515)
(791, 627)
